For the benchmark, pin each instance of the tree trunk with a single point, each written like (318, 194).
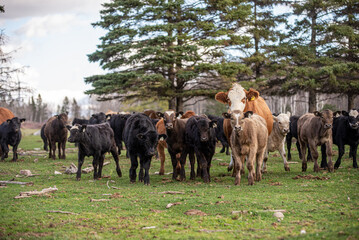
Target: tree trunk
(179, 106)
(351, 98)
(312, 101)
(172, 104)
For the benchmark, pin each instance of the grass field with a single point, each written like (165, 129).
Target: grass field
(314, 209)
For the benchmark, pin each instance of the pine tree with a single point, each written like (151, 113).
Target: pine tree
(75, 109)
(65, 105)
(169, 50)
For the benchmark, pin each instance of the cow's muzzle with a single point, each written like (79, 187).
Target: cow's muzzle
(169, 126)
(354, 126)
(238, 128)
(327, 126)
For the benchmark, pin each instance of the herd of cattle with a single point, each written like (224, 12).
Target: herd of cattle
(249, 129)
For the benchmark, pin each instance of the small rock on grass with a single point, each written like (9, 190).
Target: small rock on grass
(278, 215)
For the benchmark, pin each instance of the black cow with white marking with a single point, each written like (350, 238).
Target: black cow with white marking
(141, 138)
(10, 134)
(94, 140)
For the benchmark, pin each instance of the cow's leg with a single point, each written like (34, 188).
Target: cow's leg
(202, 161)
(250, 166)
(50, 148)
(134, 165)
(100, 165)
(146, 166)
(95, 163)
(140, 174)
(299, 149)
(223, 147)
(288, 140)
(354, 154)
(5, 150)
(115, 158)
(53, 150)
(237, 165)
(183, 157)
(303, 147)
(341, 153)
(63, 145)
(259, 162)
(314, 153)
(192, 161)
(227, 147)
(265, 158)
(14, 153)
(323, 163)
(81, 158)
(161, 153)
(329, 151)
(59, 146)
(174, 164)
(283, 155)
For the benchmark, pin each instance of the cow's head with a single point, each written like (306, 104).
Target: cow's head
(353, 118)
(204, 126)
(235, 97)
(76, 132)
(282, 121)
(327, 118)
(236, 118)
(148, 140)
(97, 118)
(169, 119)
(14, 124)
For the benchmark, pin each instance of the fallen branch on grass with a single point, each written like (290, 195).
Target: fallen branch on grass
(173, 204)
(13, 182)
(90, 169)
(44, 191)
(171, 192)
(58, 211)
(99, 200)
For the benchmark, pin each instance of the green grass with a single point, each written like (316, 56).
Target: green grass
(327, 209)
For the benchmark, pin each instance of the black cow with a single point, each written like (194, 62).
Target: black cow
(79, 121)
(10, 134)
(141, 138)
(43, 137)
(117, 123)
(345, 132)
(200, 138)
(94, 140)
(220, 133)
(293, 133)
(97, 118)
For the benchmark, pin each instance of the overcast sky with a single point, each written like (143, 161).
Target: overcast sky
(52, 38)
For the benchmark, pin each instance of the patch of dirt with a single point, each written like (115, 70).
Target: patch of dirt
(116, 195)
(275, 184)
(156, 211)
(309, 177)
(195, 212)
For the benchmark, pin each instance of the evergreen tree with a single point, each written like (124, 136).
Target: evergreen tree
(65, 105)
(39, 109)
(33, 109)
(75, 109)
(165, 49)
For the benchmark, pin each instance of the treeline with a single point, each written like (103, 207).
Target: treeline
(177, 50)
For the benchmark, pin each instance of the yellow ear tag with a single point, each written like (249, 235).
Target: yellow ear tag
(253, 98)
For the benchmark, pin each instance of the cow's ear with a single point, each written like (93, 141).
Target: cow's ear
(344, 113)
(337, 114)
(140, 136)
(108, 116)
(179, 114)
(318, 114)
(248, 114)
(213, 124)
(22, 120)
(162, 137)
(83, 127)
(289, 114)
(252, 94)
(68, 127)
(226, 115)
(8, 121)
(275, 118)
(159, 114)
(275, 114)
(222, 97)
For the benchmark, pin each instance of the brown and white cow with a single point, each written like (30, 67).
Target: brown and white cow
(315, 129)
(249, 140)
(276, 139)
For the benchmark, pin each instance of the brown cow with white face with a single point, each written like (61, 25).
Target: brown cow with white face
(315, 129)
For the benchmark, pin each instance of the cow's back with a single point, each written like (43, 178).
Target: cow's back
(101, 135)
(5, 114)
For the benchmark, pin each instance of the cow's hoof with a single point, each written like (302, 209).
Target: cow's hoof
(287, 169)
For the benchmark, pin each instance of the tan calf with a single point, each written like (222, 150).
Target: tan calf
(248, 139)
